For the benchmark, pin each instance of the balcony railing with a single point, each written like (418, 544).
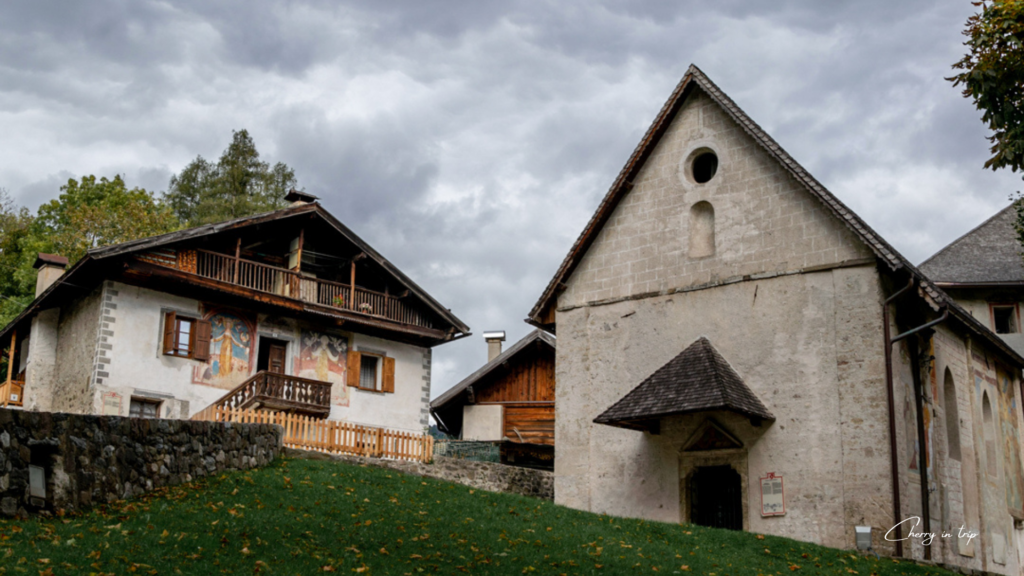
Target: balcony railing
(291, 284)
(273, 391)
(12, 393)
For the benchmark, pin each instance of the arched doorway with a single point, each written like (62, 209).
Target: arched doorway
(716, 498)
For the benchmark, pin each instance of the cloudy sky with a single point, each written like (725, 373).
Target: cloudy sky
(469, 141)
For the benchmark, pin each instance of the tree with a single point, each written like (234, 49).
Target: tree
(87, 214)
(92, 213)
(239, 184)
(992, 76)
(17, 277)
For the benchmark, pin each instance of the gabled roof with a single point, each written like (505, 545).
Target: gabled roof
(96, 257)
(695, 79)
(697, 380)
(535, 336)
(989, 254)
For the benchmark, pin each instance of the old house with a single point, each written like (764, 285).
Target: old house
(737, 348)
(289, 311)
(984, 272)
(510, 400)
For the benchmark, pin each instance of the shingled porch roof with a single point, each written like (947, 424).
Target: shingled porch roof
(697, 380)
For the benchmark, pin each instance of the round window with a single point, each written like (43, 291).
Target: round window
(704, 167)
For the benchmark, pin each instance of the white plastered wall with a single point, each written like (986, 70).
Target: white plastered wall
(130, 336)
(807, 343)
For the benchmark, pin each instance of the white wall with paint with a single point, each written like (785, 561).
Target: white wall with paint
(121, 328)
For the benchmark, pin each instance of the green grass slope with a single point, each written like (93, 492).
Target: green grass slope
(304, 517)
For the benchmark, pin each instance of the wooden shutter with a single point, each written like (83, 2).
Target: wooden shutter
(202, 331)
(354, 365)
(170, 332)
(389, 375)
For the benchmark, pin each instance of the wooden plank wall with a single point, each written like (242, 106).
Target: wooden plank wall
(530, 377)
(530, 423)
(526, 387)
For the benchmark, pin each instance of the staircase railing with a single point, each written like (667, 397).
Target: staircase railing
(271, 385)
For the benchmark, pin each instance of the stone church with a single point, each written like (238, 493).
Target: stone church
(737, 348)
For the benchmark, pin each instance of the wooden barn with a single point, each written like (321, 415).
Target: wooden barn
(510, 400)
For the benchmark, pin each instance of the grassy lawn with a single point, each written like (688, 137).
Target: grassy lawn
(303, 517)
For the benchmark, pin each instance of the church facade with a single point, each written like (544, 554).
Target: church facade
(739, 349)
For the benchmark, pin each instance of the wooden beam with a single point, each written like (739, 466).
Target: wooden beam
(141, 273)
(238, 258)
(10, 368)
(352, 285)
(298, 259)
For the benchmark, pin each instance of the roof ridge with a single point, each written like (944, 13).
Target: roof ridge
(966, 234)
(882, 249)
(520, 345)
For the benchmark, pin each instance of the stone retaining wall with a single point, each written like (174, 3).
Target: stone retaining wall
(86, 460)
(483, 475)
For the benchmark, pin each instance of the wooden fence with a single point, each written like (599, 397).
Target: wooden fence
(330, 436)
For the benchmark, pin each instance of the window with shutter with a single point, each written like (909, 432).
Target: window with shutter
(202, 348)
(170, 329)
(352, 368)
(180, 337)
(389, 375)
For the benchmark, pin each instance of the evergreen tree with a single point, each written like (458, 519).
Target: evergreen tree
(239, 184)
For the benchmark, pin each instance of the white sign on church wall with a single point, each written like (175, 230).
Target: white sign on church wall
(773, 500)
(111, 404)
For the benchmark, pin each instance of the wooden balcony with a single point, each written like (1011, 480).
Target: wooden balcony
(12, 393)
(292, 284)
(280, 392)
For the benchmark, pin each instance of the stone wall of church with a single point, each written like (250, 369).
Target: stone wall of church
(764, 221)
(781, 337)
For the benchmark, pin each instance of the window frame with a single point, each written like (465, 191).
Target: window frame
(176, 350)
(1015, 312)
(139, 400)
(378, 378)
(198, 346)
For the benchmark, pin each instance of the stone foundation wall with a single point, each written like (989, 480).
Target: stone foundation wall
(87, 460)
(483, 475)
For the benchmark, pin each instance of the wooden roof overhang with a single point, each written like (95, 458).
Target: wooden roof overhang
(542, 314)
(120, 262)
(138, 272)
(447, 408)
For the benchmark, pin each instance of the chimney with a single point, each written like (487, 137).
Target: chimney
(298, 198)
(494, 340)
(50, 268)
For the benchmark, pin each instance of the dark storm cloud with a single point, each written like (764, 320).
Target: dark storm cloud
(470, 141)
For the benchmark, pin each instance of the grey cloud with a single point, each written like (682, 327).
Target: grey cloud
(470, 141)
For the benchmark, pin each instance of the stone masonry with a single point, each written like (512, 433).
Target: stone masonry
(87, 460)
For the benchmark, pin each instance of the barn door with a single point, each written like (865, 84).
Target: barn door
(716, 498)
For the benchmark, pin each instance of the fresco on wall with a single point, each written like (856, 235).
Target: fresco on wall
(231, 355)
(323, 357)
(1010, 428)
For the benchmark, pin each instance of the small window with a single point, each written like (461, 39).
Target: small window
(702, 230)
(371, 372)
(704, 167)
(1004, 319)
(952, 417)
(990, 435)
(186, 337)
(368, 373)
(184, 333)
(142, 408)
